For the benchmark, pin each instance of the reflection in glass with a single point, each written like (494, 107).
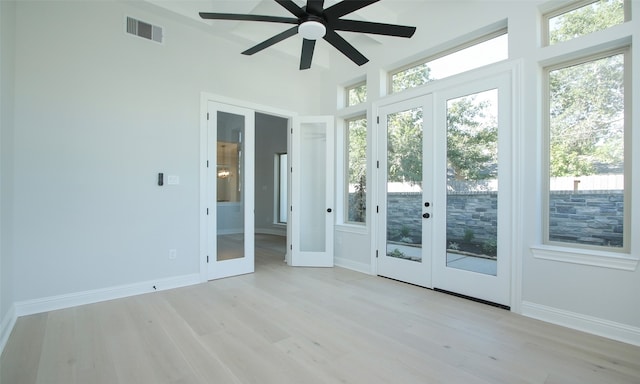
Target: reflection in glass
(229, 197)
(404, 184)
(472, 182)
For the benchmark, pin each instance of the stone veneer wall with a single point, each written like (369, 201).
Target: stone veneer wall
(587, 217)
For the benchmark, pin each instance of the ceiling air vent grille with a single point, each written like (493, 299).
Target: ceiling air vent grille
(144, 30)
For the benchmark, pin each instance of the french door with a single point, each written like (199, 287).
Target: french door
(312, 190)
(404, 247)
(445, 200)
(230, 190)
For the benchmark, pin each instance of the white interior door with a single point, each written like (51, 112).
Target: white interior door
(230, 190)
(404, 233)
(312, 182)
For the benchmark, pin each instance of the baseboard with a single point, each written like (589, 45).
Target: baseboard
(601, 327)
(6, 326)
(53, 303)
(352, 265)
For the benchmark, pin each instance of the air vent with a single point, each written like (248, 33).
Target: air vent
(144, 30)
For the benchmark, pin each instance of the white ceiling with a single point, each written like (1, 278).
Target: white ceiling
(249, 33)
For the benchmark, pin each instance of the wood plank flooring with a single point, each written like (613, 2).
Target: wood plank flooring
(304, 325)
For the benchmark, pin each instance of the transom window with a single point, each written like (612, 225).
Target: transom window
(356, 94)
(582, 18)
(474, 54)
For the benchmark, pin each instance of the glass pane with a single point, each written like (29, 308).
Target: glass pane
(313, 147)
(356, 170)
(472, 182)
(404, 185)
(586, 153)
(229, 181)
(283, 200)
(478, 55)
(593, 17)
(357, 94)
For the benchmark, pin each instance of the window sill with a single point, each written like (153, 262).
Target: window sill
(620, 261)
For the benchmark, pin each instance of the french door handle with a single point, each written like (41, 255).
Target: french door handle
(329, 210)
(426, 215)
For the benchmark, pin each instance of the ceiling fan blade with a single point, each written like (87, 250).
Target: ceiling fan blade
(374, 28)
(345, 7)
(269, 42)
(315, 7)
(293, 8)
(307, 53)
(343, 46)
(235, 16)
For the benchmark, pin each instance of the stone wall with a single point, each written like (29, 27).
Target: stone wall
(586, 217)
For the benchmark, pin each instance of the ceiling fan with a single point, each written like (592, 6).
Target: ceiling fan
(313, 21)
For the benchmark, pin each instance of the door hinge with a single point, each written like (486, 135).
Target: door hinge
(291, 247)
(291, 208)
(207, 163)
(378, 119)
(208, 257)
(377, 209)
(207, 211)
(378, 164)
(376, 254)
(207, 115)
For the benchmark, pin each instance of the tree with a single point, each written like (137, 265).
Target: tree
(587, 100)
(472, 139)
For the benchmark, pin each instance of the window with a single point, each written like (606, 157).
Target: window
(281, 183)
(587, 202)
(582, 18)
(356, 94)
(356, 170)
(486, 50)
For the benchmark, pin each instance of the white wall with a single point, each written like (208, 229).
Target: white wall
(7, 29)
(98, 113)
(596, 299)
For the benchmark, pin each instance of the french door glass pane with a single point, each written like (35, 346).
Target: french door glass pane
(229, 182)
(313, 199)
(472, 182)
(404, 184)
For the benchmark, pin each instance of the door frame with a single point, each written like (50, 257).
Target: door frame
(513, 69)
(205, 98)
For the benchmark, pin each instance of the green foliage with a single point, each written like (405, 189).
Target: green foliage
(587, 100)
(590, 18)
(357, 172)
(404, 146)
(357, 95)
(468, 235)
(472, 140)
(411, 78)
(397, 253)
(490, 247)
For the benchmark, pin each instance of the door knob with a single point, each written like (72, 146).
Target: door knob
(426, 215)
(329, 210)
(426, 204)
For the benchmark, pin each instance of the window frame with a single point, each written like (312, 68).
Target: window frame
(278, 187)
(546, 154)
(456, 48)
(351, 87)
(346, 169)
(572, 6)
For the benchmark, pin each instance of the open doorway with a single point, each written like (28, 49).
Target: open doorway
(271, 191)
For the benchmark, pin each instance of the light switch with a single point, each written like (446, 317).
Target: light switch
(173, 180)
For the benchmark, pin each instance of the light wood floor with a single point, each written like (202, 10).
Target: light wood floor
(304, 325)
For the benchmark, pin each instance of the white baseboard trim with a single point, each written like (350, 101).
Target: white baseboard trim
(601, 327)
(53, 303)
(6, 326)
(352, 265)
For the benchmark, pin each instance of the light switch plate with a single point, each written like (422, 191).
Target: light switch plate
(173, 180)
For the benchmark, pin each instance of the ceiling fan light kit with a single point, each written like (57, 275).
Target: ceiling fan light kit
(314, 22)
(312, 30)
